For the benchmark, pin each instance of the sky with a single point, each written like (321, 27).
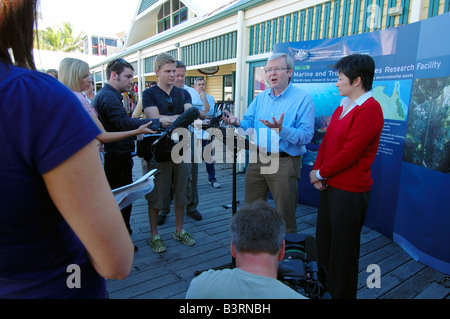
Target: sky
(96, 17)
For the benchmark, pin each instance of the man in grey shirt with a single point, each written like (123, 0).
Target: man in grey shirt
(257, 244)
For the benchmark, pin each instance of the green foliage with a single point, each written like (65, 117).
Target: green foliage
(61, 38)
(428, 133)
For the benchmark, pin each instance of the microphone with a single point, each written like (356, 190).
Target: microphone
(215, 121)
(184, 120)
(311, 256)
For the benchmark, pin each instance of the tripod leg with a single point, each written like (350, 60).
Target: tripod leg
(234, 179)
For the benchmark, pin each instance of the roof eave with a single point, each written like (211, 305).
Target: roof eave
(185, 27)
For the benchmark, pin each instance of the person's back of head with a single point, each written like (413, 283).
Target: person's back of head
(52, 72)
(17, 22)
(257, 228)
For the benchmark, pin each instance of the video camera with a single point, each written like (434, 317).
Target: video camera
(300, 268)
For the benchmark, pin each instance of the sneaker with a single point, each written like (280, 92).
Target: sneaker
(215, 184)
(157, 244)
(184, 237)
(195, 215)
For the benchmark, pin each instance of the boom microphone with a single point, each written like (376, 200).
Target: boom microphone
(184, 120)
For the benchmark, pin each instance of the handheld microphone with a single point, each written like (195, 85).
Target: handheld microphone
(184, 120)
(215, 121)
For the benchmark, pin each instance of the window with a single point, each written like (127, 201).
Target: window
(190, 81)
(174, 11)
(111, 42)
(164, 11)
(180, 16)
(94, 45)
(100, 45)
(163, 25)
(228, 87)
(176, 5)
(259, 80)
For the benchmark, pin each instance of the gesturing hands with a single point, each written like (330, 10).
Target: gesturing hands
(231, 119)
(276, 124)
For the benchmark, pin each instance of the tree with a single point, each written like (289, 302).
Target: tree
(61, 38)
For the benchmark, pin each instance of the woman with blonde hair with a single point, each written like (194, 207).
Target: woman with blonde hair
(74, 73)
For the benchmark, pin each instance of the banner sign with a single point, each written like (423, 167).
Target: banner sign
(409, 199)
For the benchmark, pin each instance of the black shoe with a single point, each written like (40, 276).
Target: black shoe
(161, 219)
(195, 215)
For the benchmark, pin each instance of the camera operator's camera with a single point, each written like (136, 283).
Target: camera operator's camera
(300, 268)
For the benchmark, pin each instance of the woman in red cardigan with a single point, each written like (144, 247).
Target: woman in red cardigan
(342, 172)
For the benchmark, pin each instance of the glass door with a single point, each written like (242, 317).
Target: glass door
(257, 79)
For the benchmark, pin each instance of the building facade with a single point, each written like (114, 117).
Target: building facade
(228, 43)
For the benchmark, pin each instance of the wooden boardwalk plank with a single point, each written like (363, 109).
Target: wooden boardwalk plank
(168, 275)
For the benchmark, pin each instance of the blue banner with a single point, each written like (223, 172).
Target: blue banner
(411, 171)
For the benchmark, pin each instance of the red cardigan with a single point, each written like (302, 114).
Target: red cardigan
(350, 146)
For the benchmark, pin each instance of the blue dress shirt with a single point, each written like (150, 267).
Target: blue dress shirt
(298, 124)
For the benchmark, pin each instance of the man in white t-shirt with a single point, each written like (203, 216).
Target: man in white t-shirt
(257, 244)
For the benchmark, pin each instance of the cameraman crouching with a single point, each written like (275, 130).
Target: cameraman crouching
(257, 244)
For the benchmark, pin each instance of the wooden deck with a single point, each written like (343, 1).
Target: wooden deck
(167, 275)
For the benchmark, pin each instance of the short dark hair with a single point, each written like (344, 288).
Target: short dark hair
(180, 64)
(355, 65)
(257, 227)
(200, 78)
(117, 65)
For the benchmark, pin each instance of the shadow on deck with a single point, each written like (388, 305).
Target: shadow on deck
(168, 275)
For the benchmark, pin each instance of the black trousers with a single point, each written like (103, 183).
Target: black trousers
(119, 172)
(340, 219)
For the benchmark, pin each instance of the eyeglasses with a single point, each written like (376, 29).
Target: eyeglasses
(169, 103)
(277, 69)
(117, 61)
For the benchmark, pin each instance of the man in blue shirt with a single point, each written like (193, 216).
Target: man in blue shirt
(281, 120)
(200, 87)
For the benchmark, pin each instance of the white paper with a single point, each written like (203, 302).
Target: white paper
(127, 194)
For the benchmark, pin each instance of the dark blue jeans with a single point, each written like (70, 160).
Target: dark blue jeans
(209, 166)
